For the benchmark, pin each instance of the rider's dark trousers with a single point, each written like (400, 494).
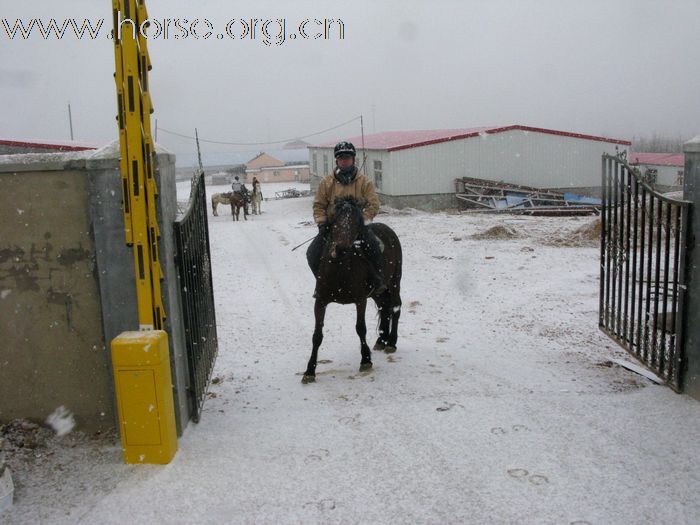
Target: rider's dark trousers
(370, 248)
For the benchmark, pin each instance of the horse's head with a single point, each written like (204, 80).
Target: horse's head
(346, 224)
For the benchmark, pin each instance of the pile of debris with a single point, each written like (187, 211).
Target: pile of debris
(480, 195)
(497, 233)
(19, 440)
(587, 235)
(291, 193)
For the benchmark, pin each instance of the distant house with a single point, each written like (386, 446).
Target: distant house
(664, 170)
(15, 146)
(269, 169)
(297, 144)
(419, 168)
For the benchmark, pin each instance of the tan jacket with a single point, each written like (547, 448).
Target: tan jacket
(361, 188)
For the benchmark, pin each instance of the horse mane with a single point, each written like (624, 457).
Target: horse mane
(348, 199)
(339, 202)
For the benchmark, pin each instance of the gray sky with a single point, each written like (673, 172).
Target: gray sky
(614, 67)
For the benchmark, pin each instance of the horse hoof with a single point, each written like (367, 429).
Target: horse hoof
(390, 349)
(308, 379)
(378, 347)
(365, 366)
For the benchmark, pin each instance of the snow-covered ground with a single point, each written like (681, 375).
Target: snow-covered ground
(501, 404)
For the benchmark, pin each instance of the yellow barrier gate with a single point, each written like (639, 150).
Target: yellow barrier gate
(137, 156)
(140, 360)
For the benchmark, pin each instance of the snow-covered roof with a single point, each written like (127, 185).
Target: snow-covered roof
(397, 140)
(658, 159)
(53, 145)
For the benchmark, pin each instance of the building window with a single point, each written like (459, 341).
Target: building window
(378, 174)
(275, 173)
(325, 164)
(314, 163)
(679, 178)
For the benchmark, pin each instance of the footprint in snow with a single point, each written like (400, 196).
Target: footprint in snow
(500, 431)
(317, 456)
(323, 505)
(522, 474)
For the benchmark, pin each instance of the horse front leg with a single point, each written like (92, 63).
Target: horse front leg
(213, 209)
(361, 329)
(394, 334)
(384, 319)
(319, 315)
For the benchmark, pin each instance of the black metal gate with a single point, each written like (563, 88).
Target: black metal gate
(642, 274)
(197, 293)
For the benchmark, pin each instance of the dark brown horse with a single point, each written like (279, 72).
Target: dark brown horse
(343, 278)
(238, 202)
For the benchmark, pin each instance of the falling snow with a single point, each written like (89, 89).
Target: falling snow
(501, 405)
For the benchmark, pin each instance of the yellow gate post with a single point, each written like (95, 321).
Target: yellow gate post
(141, 364)
(141, 361)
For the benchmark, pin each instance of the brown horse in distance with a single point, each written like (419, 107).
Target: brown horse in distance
(235, 200)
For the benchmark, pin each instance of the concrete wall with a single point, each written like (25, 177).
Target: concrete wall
(67, 284)
(52, 350)
(13, 150)
(432, 202)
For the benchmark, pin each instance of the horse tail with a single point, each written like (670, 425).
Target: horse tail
(395, 284)
(393, 248)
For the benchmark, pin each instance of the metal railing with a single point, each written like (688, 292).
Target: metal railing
(642, 274)
(197, 293)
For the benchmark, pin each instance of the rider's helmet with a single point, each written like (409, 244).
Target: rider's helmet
(344, 148)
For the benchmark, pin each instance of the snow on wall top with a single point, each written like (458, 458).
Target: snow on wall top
(41, 160)
(397, 140)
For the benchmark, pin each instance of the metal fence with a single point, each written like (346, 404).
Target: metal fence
(642, 275)
(197, 293)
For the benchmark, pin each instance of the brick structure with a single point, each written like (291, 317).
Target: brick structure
(269, 169)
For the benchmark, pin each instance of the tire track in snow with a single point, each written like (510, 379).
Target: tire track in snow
(271, 273)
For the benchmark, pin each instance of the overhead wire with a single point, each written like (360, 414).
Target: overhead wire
(182, 135)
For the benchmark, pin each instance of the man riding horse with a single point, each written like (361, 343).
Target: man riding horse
(346, 181)
(238, 187)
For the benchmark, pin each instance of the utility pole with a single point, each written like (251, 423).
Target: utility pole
(199, 152)
(364, 155)
(374, 123)
(70, 122)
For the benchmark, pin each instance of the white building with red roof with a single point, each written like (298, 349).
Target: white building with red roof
(665, 170)
(419, 168)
